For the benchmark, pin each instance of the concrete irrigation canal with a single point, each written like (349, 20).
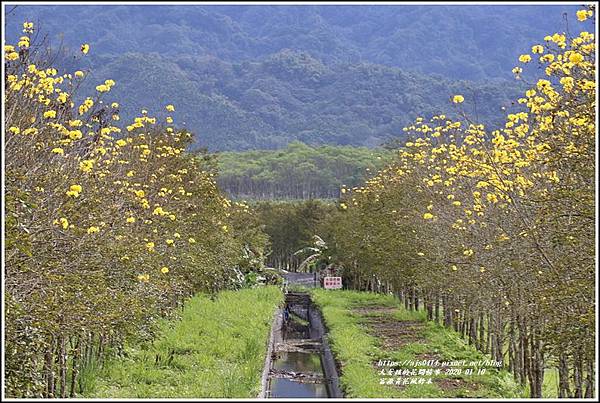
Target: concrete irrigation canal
(299, 362)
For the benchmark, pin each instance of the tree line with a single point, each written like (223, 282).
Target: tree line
(109, 226)
(290, 226)
(299, 171)
(491, 231)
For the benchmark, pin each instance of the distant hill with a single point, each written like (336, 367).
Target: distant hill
(467, 42)
(246, 77)
(289, 96)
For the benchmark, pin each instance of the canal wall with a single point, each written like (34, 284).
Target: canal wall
(305, 333)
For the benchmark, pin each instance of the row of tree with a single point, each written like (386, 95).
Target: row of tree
(109, 227)
(290, 226)
(492, 232)
(299, 171)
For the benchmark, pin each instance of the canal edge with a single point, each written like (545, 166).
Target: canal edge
(330, 365)
(274, 334)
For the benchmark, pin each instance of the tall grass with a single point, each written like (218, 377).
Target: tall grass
(217, 349)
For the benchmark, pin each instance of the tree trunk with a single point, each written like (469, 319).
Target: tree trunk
(75, 367)
(589, 389)
(512, 353)
(473, 331)
(563, 376)
(577, 377)
(415, 299)
(62, 363)
(447, 312)
(49, 370)
(536, 367)
(481, 339)
(429, 306)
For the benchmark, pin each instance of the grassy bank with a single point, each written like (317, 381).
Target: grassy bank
(366, 327)
(217, 349)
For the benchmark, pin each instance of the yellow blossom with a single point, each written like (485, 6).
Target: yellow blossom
(86, 165)
(75, 134)
(74, 190)
(575, 58)
(525, 58)
(62, 98)
(583, 15)
(492, 198)
(50, 114)
(457, 99)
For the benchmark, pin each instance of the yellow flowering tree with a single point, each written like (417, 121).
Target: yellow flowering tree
(109, 226)
(492, 231)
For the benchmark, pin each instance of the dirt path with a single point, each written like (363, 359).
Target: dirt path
(393, 334)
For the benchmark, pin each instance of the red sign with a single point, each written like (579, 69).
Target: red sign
(332, 282)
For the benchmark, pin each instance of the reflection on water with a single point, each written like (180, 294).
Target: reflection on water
(288, 388)
(297, 327)
(298, 362)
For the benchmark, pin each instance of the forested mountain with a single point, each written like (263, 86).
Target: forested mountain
(247, 77)
(298, 171)
(289, 96)
(464, 42)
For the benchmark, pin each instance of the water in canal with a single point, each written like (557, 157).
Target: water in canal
(300, 373)
(298, 362)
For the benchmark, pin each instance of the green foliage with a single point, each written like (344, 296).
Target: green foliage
(299, 171)
(266, 105)
(217, 349)
(290, 227)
